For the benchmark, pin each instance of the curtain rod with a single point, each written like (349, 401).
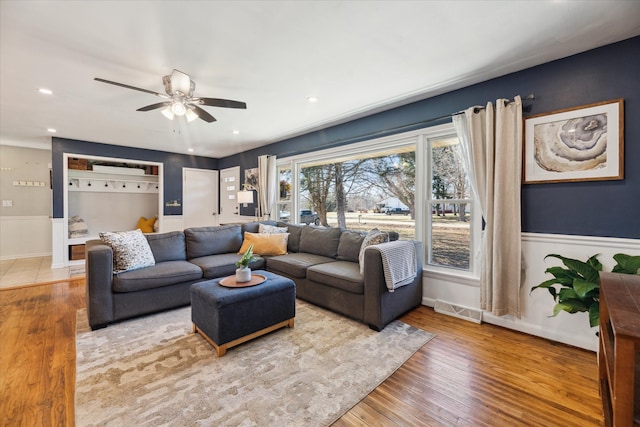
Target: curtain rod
(529, 97)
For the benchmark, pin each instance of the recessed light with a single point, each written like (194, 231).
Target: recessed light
(191, 150)
(52, 130)
(236, 132)
(312, 99)
(45, 91)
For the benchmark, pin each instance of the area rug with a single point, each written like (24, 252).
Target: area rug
(153, 371)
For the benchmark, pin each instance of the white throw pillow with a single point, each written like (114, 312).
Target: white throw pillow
(270, 229)
(373, 237)
(131, 250)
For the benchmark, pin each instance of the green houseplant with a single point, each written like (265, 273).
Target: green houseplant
(243, 273)
(579, 281)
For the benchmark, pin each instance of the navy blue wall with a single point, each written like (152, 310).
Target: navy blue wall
(173, 164)
(604, 208)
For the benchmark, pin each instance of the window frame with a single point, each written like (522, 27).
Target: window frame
(429, 135)
(419, 139)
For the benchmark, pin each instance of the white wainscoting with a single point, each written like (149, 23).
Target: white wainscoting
(25, 236)
(537, 307)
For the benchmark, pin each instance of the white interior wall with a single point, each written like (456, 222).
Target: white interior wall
(25, 224)
(112, 211)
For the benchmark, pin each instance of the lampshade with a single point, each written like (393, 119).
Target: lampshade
(245, 196)
(167, 113)
(191, 115)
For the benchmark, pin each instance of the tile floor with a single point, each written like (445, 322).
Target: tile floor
(31, 271)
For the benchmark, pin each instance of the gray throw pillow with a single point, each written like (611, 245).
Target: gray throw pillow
(373, 237)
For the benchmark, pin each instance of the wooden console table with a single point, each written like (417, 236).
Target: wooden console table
(619, 355)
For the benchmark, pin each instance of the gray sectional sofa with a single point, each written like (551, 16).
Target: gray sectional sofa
(323, 262)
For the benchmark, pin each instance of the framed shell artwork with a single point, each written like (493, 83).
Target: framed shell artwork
(576, 144)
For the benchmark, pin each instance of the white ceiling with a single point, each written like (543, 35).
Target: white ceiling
(357, 57)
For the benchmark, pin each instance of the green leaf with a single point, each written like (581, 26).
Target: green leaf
(594, 315)
(570, 306)
(567, 294)
(585, 269)
(547, 284)
(563, 274)
(583, 287)
(626, 264)
(593, 261)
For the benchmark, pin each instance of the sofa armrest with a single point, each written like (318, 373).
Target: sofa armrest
(380, 305)
(99, 278)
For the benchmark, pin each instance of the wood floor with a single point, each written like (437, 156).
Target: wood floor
(469, 375)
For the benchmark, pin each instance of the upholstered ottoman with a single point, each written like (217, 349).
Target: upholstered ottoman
(227, 316)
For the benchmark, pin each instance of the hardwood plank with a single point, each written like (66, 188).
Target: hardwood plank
(469, 374)
(37, 361)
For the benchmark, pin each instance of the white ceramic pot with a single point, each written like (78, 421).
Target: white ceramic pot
(243, 274)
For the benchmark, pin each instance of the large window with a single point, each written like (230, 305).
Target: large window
(413, 183)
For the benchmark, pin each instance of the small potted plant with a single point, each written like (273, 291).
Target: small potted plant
(243, 272)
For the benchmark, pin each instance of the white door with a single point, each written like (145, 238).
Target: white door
(229, 187)
(199, 197)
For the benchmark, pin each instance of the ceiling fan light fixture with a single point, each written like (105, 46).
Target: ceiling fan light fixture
(191, 115)
(167, 113)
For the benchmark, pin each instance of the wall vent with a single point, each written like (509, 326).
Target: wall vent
(465, 313)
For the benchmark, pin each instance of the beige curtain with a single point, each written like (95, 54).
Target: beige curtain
(493, 141)
(268, 185)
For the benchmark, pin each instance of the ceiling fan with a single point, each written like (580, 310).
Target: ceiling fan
(179, 98)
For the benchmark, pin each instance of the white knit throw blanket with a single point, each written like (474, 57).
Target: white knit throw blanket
(398, 262)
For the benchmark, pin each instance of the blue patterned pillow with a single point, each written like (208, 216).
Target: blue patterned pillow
(131, 250)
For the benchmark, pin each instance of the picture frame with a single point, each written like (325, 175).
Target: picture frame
(583, 143)
(251, 177)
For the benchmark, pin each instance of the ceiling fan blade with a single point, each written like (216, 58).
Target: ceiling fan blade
(226, 103)
(130, 87)
(203, 114)
(155, 106)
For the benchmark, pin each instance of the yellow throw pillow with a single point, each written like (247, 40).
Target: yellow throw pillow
(146, 225)
(265, 244)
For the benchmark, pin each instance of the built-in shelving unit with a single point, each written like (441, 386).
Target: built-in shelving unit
(109, 194)
(619, 352)
(104, 182)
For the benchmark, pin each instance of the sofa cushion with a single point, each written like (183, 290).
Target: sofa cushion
(159, 275)
(131, 250)
(349, 246)
(343, 275)
(320, 241)
(204, 241)
(222, 265)
(253, 227)
(294, 230)
(295, 264)
(168, 246)
(265, 244)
